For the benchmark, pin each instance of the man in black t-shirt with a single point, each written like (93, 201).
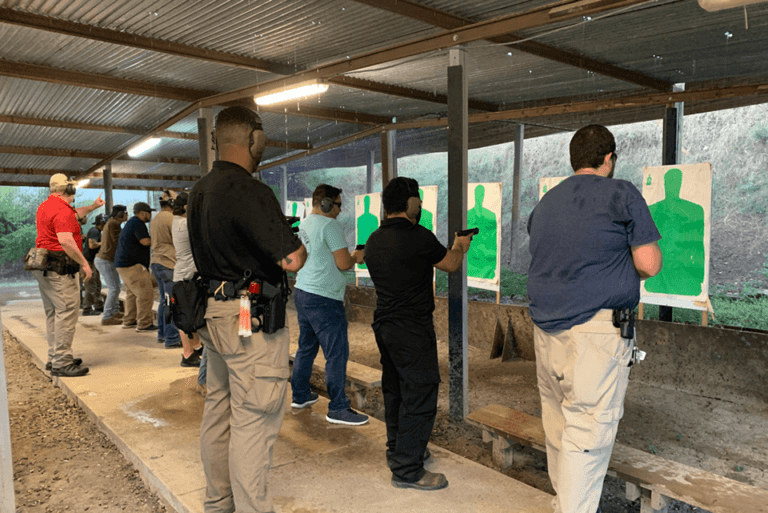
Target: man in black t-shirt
(592, 241)
(93, 303)
(400, 256)
(238, 233)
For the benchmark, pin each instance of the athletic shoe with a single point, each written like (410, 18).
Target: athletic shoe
(199, 351)
(348, 417)
(313, 398)
(76, 361)
(69, 371)
(129, 326)
(151, 327)
(429, 481)
(192, 361)
(111, 321)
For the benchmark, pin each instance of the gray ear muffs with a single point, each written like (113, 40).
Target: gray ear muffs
(414, 207)
(326, 205)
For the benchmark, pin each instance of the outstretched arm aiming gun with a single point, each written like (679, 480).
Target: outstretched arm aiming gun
(455, 256)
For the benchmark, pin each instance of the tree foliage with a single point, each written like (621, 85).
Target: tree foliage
(18, 206)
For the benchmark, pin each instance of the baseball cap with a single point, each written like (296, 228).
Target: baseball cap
(181, 199)
(116, 209)
(142, 207)
(61, 180)
(101, 218)
(168, 196)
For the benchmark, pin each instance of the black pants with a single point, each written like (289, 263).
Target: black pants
(409, 381)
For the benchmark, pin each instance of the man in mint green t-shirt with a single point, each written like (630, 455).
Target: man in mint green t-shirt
(319, 299)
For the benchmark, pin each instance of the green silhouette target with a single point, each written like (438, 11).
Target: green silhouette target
(484, 257)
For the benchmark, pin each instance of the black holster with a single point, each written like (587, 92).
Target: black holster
(268, 308)
(624, 319)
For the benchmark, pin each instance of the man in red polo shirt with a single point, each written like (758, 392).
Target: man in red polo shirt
(58, 231)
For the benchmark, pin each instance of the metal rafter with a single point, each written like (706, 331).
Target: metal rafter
(449, 21)
(78, 154)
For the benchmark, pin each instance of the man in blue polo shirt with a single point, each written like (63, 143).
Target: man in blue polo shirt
(132, 263)
(592, 241)
(319, 299)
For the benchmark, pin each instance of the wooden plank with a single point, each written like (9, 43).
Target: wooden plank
(663, 477)
(691, 485)
(516, 425)
(356, 373)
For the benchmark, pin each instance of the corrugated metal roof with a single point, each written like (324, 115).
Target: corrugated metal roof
(670, 40)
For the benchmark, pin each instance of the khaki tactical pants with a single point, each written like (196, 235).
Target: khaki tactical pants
(583, 374)
(139, 295)
(244, 407)
(61, 301)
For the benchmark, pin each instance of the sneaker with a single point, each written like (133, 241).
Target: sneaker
(199, 351)
(151, 327)
(174, 345)
(89, 311)
(348, 417)
(129, 326)
(69, 371)
(75, 361)
(429, 481)
(111, 321)
(201, 389)
(192, 361)
(313, 398)
(161, 341)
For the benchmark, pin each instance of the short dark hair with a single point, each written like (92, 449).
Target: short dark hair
(590, 145)
(324, 191)
(180, 204)
(238, 116)
(396, 194)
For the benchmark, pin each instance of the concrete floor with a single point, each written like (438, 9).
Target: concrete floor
(145, 402)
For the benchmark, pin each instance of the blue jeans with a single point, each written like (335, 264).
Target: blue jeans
(167, 331)
(107, 270)
(323, 323)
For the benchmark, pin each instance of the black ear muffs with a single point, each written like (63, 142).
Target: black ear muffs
(326, 205)
(70, 190)
(414, 207)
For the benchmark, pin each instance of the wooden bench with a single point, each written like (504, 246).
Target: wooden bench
(652, 479)
(360, 378)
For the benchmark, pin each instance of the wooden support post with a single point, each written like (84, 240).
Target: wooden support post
(640, 310)
(704, 318)
(359, 393)
(633, 491)
(653, 502)
(108, 197)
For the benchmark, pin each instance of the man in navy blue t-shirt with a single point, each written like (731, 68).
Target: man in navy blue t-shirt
(132, 263)
(592, 241)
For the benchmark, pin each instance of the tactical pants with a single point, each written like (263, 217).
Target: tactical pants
(247, 383)
(61, 301)
(139, 295)
(582, 374)
(410, 379)
(92, 289)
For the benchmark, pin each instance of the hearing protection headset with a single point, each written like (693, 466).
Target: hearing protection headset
(70, 190)
(414, 202)
(326, 205)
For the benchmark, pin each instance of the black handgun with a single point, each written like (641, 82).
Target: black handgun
(360, 247)
(470, 231)
(624, 319)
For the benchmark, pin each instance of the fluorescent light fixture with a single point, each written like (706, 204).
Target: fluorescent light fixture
(143, 147)
(83, 183)
(298, 91)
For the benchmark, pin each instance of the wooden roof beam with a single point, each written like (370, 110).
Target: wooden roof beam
(70, 28)
(115, 176)
(449, 21)
(77, 154)
(538, 17)
(53, 123)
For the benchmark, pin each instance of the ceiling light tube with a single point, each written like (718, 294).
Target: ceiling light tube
(143, 147)
(83, 183)
(291, 93)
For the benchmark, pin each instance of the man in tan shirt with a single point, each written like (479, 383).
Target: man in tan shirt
(105, 263)
(162, 262)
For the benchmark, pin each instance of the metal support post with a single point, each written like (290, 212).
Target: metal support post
(108, 198)
(205, 143)
(458, 147)
(369, 173)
